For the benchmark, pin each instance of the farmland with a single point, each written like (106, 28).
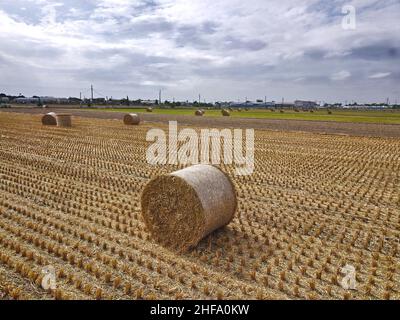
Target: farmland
(348, 116)
(70, 198)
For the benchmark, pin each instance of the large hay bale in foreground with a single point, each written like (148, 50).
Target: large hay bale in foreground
(64, 120)
(49, 119)
(225, 113)
(181, 208)
(131, 119)
(199, 113)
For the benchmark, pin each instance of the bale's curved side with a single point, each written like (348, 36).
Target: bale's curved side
(149, 109)
(64, 120)
(131, 119)
(199, 113)
(49, 119)
(181, 208)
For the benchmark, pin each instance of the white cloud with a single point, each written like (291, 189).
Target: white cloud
(380, 75)
(341, 75)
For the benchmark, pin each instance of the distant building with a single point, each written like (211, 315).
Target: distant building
(45, 100)
(24, 100)
(250, 104)
(305, 104)
(4, 99)
(149, 102)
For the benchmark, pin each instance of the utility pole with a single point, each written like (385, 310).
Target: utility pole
(159, 97)
(91, 92)
(199, 98)
(265, 100)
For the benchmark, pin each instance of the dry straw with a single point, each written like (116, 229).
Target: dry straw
(64, 120)
(225, 113)
(181, 208)
(199, 113)
(49, 119)
(131, 119)
(149, 109)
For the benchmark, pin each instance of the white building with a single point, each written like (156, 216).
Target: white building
(305, 104)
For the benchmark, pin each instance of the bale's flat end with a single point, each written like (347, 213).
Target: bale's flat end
(131, 119)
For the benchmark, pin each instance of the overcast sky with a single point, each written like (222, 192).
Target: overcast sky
(223, 49)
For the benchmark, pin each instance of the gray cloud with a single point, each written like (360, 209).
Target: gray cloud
(230, 42)
(379, 51)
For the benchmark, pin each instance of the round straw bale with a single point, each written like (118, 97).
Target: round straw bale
(131, 119)
(181, 208)
(63, 120)
(149, 109)
(225, 113)
(199, 113)
(49, 119)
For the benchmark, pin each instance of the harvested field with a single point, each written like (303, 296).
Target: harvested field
(70, 198)
(324, 127)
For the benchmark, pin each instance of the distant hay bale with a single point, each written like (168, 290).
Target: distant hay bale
(240, 109)
(131, 119)
(199, 113)
(149, 109)
(225, 113)
(64, 120)
(181, 208)
(44, 106)
(246, 109)
(49, 119)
